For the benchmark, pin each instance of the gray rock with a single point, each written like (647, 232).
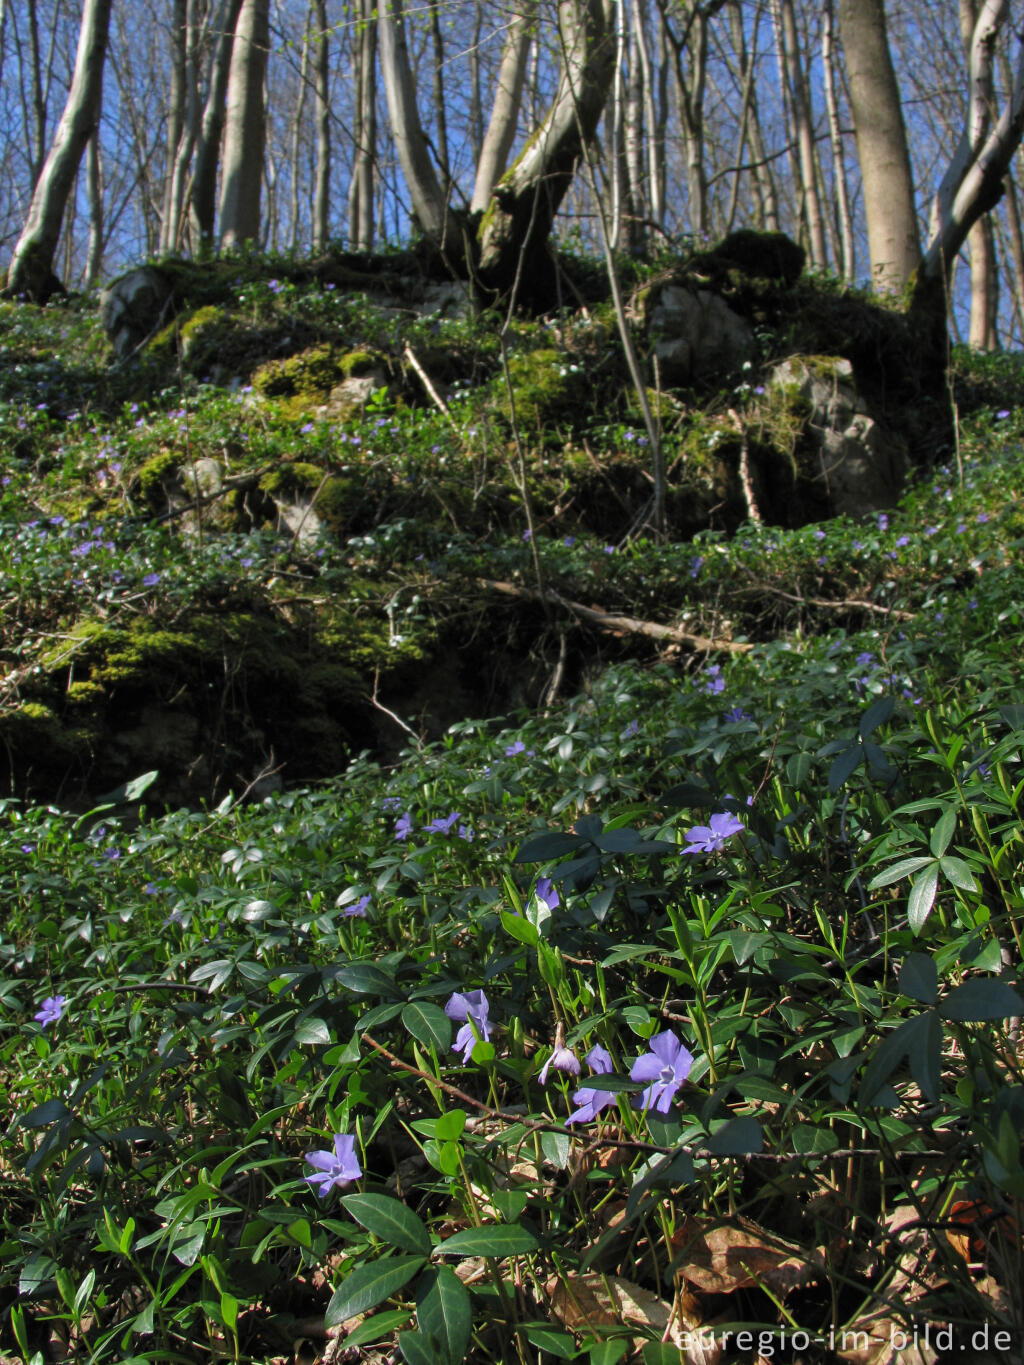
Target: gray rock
(861, 464)
(352, 394)
(695, 335)
(133, 307)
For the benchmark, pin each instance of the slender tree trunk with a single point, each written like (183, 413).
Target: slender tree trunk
(94, 189)
(296, 147)
(983, 332)
(800, 105)
(656, 117)
(204, 173)
(843, 213)
(245, 127)
(31, 268)
(633, 143)
(1016, 235)
(440, 113)
(508, 97)
(175, 201)
(38, 152)
(476, 108)
(429, 204)
(322, 199)
(362, 205)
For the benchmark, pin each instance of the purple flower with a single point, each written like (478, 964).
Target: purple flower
(666, 1066)
(334, 1168)
(28, 848)
(883, 522)
(50, 1010)
(403, 827)
(819, 535)
(357, 908)
(443, 824)
(715, 682)
(471, 1010)
(308, 427)
(864, 659)
(982, 517)
(609, 549)
(569, 542)
(903, 540)
(1002, 414)
(527, 534)
(151, 580)
(517, 748)
(589, 1100)
(562, 1058)
(710, 837)
(633, 728)
(737, 714)
(465, 832)
(546, 893)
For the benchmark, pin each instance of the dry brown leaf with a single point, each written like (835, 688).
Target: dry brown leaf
(877, 1339)
(738, 1255)
(581, 1301)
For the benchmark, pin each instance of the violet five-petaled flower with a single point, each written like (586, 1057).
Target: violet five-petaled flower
(546, 893)
(710, 837)
(470, 1009)
(443, 824)
(357, 907)
(334, 1168)
(50, 1010)
(403, 827)
(562, 1058)
(590, 1102)
(665, 1067)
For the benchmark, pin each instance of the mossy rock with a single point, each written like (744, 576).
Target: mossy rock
(548, 389)
(314, 372)
(157, 482)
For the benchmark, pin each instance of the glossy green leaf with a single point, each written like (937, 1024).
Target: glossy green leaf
(922, 897)
(981, 998)
(919, 978)
(444, 1312)
(428, 1024)
(390, 1220)
(495, 1239)
(368, 1285)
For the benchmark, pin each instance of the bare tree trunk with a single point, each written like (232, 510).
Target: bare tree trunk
(633, 143)
(763, 179)
(440, 115)
(429, 204)
(94, 189)
(983, 333)
(501, 128)
(175, 201)
(322, 199)
(690, 87)
(881, 144)
(296, 147)
(175, 121)
(1016, 253)
(519, 219)
(800, 104)
(245, 127)
(843, 212)
(657, 119)
(615, 138)
(361, 191)
(476, 108)
(31, 268)
(204, 173)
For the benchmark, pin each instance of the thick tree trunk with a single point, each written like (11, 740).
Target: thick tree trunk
(245, 128)
(983, 334)
(518, 221)
(31, 268)
(881, 144)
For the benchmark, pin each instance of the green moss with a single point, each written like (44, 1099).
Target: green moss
(295, 477)
(313, 373)
(548, 388)
(154, 476)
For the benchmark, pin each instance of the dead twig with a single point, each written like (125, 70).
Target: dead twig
(627, 625)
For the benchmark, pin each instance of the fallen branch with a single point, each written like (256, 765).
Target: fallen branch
(425, 380)
(611, 621)
(833, 604)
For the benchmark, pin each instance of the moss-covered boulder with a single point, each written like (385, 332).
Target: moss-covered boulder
(549, 388)
(322, 377)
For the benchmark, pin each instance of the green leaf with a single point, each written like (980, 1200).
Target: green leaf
(377, 1328)
(418, 1349)
(922, 897)
(981, 998)
(47, 1112)
(942, 833)
(919, 978)
(313, 1030)
(519, 927)
(449, 1127)
(844, 766)
(390, 1220)
(365, 979)
(920, 1038)
(661, 1353)
(543, 847)
(809, 1138)
(496, 1239)
(428, 1024)
(957, 871)
(737, 1137)
(368, 1285)
(559, 1344)
(555, 1147)
(444, 1312)
(876, 714)
(897, 872)
(607, 1352)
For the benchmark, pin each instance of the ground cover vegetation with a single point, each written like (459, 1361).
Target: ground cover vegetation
(684, 1003)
